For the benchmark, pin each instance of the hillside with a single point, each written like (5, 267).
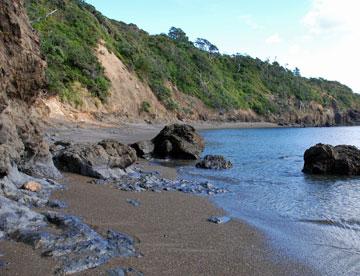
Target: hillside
(174, 75)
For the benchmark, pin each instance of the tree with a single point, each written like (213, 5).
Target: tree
(205, 45)
(178, 34)
(296, 72)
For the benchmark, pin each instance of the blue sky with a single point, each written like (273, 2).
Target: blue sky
(318, 36)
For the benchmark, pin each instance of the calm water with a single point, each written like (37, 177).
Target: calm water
(314, 219)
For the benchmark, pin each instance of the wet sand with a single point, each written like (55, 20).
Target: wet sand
(171, 232)
(170, 228)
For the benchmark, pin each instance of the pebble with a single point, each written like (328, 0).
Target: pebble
(133, 202)
(219, 220)
(32, 186)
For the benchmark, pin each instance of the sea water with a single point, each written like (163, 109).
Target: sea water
(315, 219)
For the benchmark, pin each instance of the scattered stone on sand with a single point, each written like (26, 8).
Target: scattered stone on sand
(133, 202)
(139, 182)
(58, 204)
(327, 159)
(214, 162)
(123, 272)
(144, 149)
(106, 159)
(178, 142)
(219, 220)
(32, 186)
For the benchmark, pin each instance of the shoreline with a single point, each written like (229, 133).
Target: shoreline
(170, 228)
(171, 232)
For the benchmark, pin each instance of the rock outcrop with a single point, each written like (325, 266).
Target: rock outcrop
(22, 80)
(106, 159)
(214, 162)
(178, 142)
(326, 159)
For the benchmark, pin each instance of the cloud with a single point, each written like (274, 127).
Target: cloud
(273, 39)
(332, 16)
(250, 22)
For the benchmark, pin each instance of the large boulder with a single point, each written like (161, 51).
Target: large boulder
(178, 142)
(144, 149)
(326, 159)
(106, 159)
(214, 162)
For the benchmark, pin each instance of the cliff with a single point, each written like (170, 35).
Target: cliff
(22, 80)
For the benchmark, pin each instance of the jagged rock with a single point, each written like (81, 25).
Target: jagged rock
(32, 186)
(326, 159)
(178, 142)
(144, 149)
(56, 204)
(215, 162)
(77, 245)
(105, 159)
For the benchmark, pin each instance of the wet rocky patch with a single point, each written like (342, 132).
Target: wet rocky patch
(119, 271)
(139, 182)
(219, 219)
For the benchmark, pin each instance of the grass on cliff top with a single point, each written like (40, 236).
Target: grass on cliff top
(224, 82)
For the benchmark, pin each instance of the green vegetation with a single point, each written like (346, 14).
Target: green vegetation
(145, 107)
(70, 36)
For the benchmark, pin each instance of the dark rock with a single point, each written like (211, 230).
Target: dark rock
(105, 159)
(76, 245)
(215, 162)
(123, 272)
(133, 202)
(56, 204)
(151, 182)
(326, 159)
(144, 149)
(178, 142)
(219, 220)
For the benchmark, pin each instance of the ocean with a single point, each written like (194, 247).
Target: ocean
(313, 219)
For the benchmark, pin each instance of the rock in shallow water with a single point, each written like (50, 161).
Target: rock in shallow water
(326, 159)
(133, 202)
(214, 162)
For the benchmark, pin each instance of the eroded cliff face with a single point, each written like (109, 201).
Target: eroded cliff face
(22, 80)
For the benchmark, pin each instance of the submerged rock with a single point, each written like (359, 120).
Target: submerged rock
(219, 220)
(105, 159)
(215, 162)
(178, 142)
(56, 204)
(119, 271)
(327, 159)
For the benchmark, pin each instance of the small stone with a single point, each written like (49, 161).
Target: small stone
(133, 202)
(32, 186)
(56, 204)
(219, 220)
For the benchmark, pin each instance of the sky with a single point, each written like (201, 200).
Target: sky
(321, 37)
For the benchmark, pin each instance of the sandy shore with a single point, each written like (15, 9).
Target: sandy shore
(132, 132)
(171, 231)
(170, 228)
